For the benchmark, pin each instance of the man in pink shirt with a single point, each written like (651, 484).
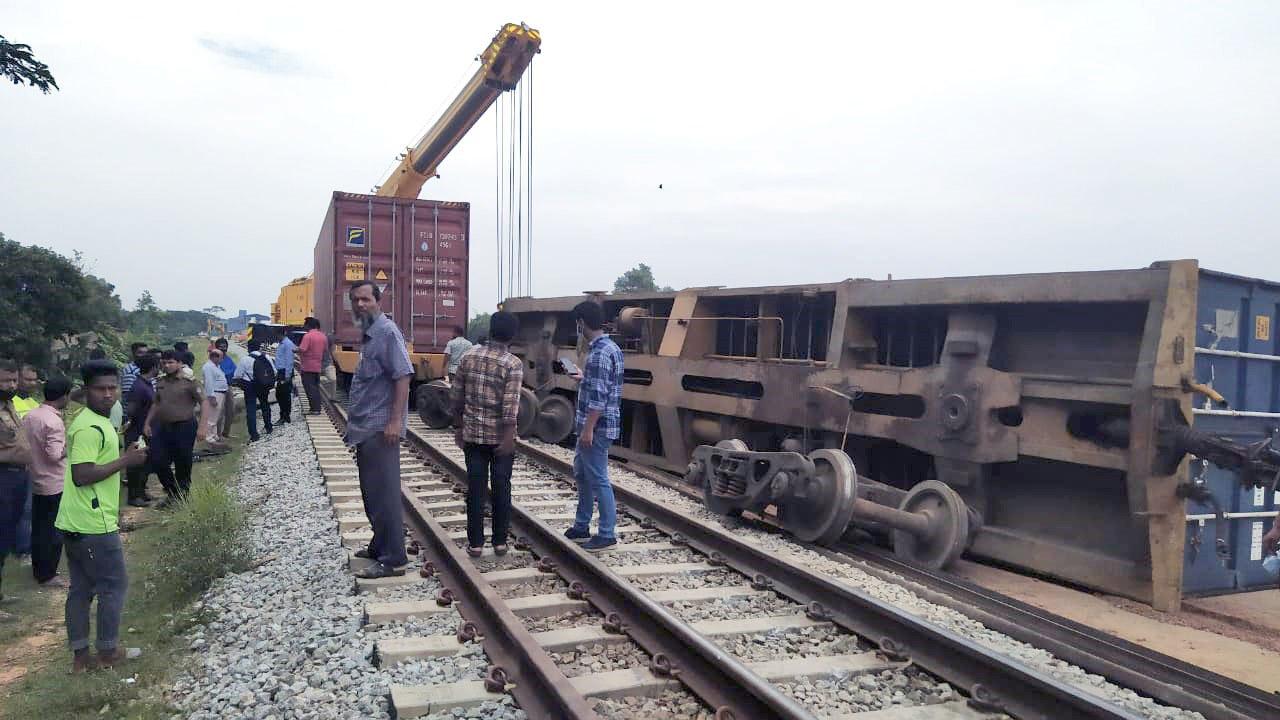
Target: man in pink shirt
(46, 437)
(311, 358)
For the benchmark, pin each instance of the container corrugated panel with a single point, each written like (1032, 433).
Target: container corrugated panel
(416, 251)
(1234, 315)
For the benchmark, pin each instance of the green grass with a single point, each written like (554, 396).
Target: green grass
(172, 556)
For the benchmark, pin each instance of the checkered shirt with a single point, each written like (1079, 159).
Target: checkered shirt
(601, 388)
(486, 392)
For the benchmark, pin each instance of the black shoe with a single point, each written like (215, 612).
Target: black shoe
(597, 543)
(364, 554)
(578, 536)
(378, 570)
(138, 502)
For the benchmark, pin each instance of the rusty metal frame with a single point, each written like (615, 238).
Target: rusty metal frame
(1139, 556)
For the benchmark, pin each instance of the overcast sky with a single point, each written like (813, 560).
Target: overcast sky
(193, 148)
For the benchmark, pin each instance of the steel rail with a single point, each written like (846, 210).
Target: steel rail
(539, 688)
(1145, 671)
(1149, 673)
(714, 675)
(993, 680)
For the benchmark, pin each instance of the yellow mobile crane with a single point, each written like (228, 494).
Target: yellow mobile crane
(501, 65)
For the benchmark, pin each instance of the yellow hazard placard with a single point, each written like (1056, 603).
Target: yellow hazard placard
(1261, 327)
(355, 271)
(381, 275)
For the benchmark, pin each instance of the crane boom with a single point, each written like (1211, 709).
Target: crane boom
(501, 65)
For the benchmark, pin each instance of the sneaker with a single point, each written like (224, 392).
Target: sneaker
(576, 535)
(378, 570)
(597, 543)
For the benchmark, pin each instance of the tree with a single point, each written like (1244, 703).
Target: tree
(45, 296)
(478, 326)
(21, 67)
(638, 279)
(147, 318)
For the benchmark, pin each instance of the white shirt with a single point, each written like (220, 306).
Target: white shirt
(455, 349)
(214, 381)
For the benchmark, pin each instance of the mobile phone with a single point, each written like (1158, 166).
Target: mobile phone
(566, 366)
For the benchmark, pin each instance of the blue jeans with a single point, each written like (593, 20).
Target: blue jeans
(591, 471)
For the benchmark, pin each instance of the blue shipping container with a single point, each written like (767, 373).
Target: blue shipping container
(1238, 355)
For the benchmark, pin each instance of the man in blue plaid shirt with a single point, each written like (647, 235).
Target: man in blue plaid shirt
(598, 422)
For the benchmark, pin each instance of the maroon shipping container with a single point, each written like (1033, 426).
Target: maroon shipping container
(416, 252)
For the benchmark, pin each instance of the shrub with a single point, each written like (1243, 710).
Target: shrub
(208, 537)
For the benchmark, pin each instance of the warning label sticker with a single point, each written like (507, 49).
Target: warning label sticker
(380, 275)
(355, 271)
(1255, 542)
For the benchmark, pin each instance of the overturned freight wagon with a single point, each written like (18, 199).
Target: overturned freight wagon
(1043, 421)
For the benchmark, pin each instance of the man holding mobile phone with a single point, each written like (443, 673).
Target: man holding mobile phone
(598, 422)
(89, 518)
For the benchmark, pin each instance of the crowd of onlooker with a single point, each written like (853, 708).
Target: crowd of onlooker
(61, 464)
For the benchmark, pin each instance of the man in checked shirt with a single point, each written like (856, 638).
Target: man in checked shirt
(486, 399)
(598, 422)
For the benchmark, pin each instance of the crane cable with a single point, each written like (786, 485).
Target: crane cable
(513, 189)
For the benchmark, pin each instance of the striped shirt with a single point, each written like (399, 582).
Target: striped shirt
(128, 376)
(486, 392)
(601, 388)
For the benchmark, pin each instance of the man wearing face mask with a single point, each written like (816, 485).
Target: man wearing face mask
(14, 457)
(378, 404)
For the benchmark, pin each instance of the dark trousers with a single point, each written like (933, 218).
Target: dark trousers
(488, 474)
(311, 384)
(97, 569)
(379, 467)
(14, 486)
(46, 542)
(257, 398)
(171, 445)
(284, 398)
(136, 479)
(22, 540)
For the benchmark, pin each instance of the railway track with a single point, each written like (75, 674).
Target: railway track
(1149, 673)
(680, 620)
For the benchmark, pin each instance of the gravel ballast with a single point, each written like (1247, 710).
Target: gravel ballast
(285, 639)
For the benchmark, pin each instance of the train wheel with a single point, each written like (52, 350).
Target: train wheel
(527, 415)
(434, 405)
(555, 419)
(949, 526)
(820, 508)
